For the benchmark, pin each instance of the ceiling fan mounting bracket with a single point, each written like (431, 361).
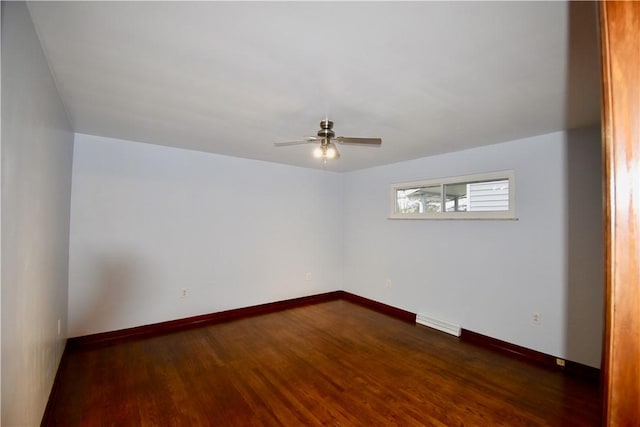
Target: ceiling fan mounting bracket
(326, 124)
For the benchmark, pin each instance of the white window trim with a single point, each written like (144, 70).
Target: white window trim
(489, 176)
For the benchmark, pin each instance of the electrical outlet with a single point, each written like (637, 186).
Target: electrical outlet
(387, 283)
(184, 292)
(536, 318)
(59, 328)
(307, 277)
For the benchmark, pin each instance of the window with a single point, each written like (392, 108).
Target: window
(482, 196)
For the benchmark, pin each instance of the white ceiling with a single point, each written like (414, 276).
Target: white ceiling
(233, 78)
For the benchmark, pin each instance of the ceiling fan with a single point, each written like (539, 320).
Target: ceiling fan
(326, 136)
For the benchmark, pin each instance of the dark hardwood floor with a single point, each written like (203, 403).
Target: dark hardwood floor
(335, 363)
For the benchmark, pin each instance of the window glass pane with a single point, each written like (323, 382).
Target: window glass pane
(488, 196)
(477, 196)
(455, 197)
(419, 200)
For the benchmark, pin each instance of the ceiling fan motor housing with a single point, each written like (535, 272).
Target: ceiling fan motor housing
(326, 131)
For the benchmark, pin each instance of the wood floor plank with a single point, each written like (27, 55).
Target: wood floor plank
(328, 364)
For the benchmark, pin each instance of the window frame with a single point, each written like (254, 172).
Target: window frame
(509, 214)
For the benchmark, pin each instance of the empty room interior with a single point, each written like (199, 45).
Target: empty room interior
(272, 206)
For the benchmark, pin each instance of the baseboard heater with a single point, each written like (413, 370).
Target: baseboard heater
(441, 325)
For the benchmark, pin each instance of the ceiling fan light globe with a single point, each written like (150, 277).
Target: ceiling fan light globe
(317, 153)
(331, 153)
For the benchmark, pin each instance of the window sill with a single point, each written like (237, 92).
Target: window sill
(454, 218)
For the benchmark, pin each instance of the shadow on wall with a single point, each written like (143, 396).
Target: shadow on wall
(109, 293)
(585, 251)
(582, 101)
(584, 296)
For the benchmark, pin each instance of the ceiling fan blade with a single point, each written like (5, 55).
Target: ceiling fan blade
(304, 141)
(351, 140)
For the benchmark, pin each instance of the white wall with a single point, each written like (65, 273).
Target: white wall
(490, 276)
(37, 148)
(149, 220)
